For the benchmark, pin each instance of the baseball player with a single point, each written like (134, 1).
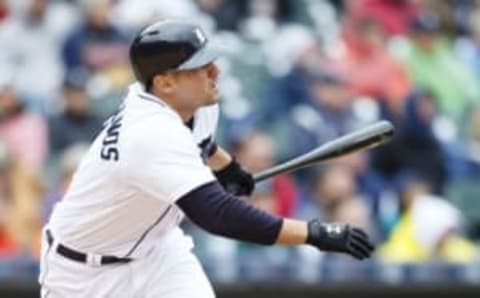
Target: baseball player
(116, 232)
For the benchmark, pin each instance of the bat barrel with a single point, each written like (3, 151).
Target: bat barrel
(368, 137)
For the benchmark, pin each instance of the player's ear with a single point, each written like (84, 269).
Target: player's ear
(164, 83)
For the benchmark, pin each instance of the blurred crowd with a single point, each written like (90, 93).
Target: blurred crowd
(294, 74)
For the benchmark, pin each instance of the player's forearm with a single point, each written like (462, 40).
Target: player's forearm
(219, 160)
(220, 213)
(293, 232)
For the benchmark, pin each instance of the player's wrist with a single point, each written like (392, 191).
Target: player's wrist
(229, 168)
(293, 232)
(235, 179)
(219, 159)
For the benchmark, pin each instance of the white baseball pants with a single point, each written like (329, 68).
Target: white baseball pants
(169, 271)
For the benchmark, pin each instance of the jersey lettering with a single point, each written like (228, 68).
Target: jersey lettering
(109, 153)
(109, 144)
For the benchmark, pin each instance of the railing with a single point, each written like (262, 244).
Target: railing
(272, 272)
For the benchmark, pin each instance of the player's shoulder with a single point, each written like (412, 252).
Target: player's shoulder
(154, 127)
(142, 111)
(158, 129)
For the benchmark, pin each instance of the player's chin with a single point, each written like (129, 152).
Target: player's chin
(212, 97)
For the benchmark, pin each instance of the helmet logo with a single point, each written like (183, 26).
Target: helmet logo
(201, 37)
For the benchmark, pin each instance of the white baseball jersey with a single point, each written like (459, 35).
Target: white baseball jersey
(121, 199)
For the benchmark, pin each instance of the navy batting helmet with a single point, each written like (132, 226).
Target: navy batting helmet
(169, 45)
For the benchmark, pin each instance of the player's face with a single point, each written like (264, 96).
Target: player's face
(198, 87)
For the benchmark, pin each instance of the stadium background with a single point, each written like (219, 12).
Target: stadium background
(295, 73)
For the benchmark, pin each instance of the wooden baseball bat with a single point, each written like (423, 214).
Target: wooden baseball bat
(364, 138)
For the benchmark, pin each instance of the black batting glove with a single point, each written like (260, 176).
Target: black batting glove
(235, 179)
(334, 237)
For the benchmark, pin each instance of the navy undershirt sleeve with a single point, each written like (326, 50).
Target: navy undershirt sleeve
(221, 213)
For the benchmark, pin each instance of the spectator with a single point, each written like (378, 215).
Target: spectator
(98, 46)
(366, 64)
(20, 192)
(428, 229)
(22, 130)
(369, 184)
(433, 66)
(353, 212)
(9, 246)
(394, 16)
(292, 64)
(31, 38)
(278, 195)
(76, 123)
(415, 146)
(327, 115)
(337, 199)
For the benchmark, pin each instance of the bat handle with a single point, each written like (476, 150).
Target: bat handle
(281, 168)
(263, 175)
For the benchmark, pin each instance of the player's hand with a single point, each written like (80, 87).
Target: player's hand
(235, 179)
(334, 237)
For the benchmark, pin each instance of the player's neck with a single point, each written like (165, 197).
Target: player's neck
(186, 113)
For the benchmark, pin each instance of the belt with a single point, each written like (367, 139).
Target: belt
(83, 257)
